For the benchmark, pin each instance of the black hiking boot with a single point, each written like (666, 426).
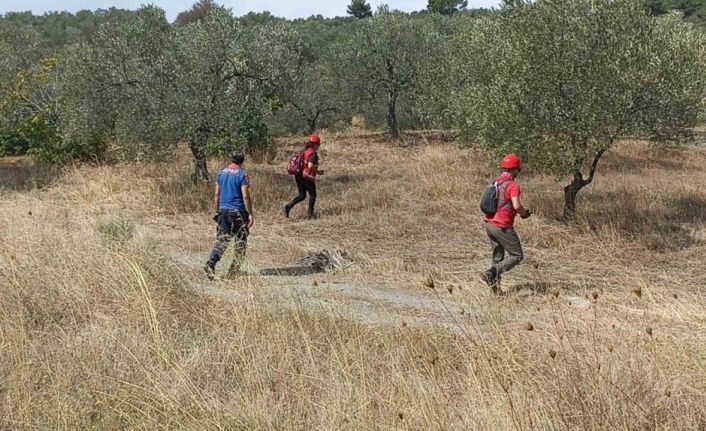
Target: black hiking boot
(285, 211)
(312, 216)
(491, 279)
(210, 270)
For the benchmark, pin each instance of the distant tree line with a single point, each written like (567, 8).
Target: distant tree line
(556, 82)
(693, 10)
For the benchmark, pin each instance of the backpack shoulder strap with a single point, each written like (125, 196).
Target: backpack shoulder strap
(502, 188)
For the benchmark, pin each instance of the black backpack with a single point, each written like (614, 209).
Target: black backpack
(489, 200)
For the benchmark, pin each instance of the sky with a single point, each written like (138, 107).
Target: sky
(282, 8)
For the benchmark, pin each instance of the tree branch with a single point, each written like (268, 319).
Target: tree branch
(594, 165)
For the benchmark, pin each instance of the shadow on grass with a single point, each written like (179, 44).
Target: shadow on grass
(538, 287)
(624, 163)
(179, 194)
(662, 225)
(20, 174)
(313, 262)
(291, 271)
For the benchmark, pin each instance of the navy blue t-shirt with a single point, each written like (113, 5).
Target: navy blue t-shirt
(230, 180)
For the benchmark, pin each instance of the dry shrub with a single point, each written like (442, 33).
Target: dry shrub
(357, 124)
(81, 320)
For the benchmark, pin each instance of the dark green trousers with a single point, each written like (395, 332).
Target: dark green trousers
(507, 249)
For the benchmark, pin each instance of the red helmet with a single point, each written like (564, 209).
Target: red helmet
(511, 161)
(314, 139)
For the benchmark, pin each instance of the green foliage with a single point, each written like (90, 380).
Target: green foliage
(255, 134)
(12, 143)
(381, 63)
(118, 85)
(559, 83)
(211, 87)
(42, 139)
(116, 233)
(13, 139)
(359, 9)
(31, 82)
(25, 39)
(252, 19)
(656, 7)
(555, 81)
(30, 116)
(294, 65)
(252, 136)
(447, 7)
(57, 29)
(19, 46)
(439, 75)
(694, 10)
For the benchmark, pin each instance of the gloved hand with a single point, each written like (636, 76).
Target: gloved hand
(215, 217)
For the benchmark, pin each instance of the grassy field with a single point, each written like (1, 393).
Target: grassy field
(107, 322)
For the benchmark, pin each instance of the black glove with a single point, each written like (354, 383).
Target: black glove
(215, 217)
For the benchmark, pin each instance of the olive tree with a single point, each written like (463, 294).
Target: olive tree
(209, 93)
(296, 71)
(148, 85)
(446, 7)
(381, 61)
(19, 45)
(314, 96)
(118, 85)
(559, 82)
(439, 75)
(29, 111)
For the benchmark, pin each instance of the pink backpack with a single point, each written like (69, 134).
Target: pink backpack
(296, 164)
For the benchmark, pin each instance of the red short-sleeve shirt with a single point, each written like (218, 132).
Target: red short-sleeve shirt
(310, 156)
(505, 217)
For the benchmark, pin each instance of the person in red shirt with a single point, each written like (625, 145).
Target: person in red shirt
(306, 182)
(500, 227)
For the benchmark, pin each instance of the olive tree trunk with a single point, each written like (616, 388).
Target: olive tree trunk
(572, 189)
(392, 115)
(200, 162)
(392, 96)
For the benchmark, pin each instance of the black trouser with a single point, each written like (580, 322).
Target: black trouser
(231, 224)
(304, 186)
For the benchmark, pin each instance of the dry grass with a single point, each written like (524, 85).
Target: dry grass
(603, 326)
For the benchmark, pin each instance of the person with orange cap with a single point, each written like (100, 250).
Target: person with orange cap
(507, 248)
(306, 181)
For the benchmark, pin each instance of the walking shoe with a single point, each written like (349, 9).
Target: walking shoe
(312, 216)
(210, 270)
(491, 279)
(285, 211)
